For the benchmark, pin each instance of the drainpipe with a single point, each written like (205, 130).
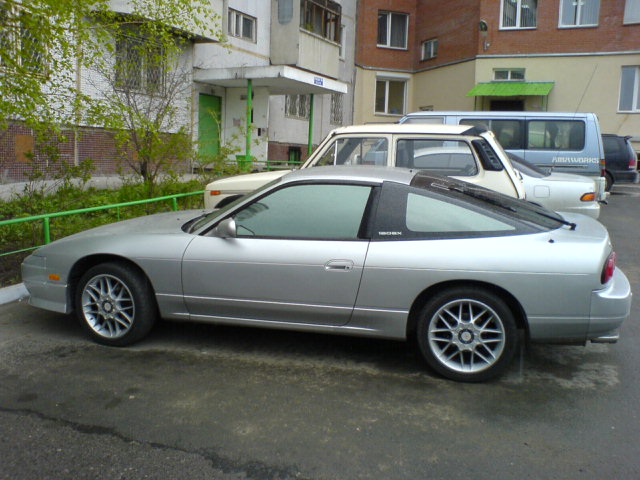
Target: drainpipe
(310, 144)
(247, 153)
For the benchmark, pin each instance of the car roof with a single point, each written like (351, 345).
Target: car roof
(490, 114)
(369, 174)
(402, 128)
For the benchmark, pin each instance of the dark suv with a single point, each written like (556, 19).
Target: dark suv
(621, 160)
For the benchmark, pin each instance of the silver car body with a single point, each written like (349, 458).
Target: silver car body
(363, 287)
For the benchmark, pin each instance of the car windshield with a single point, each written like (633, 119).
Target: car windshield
(198, 222)
(523, 210)
(526, 167)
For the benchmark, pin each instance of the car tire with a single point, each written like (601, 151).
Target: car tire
(115, 304)
(467, 334)
(608, 181)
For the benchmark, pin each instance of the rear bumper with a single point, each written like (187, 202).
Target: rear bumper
(609, 309)
(626, 176)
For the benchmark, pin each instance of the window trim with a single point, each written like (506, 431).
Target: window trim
(234, 14)
(388, 40)
(329, 8)
(509, 71)
(434, 45)
(388, 79)
(518, 17)
(628, 9)
(635, 94)
(577, 25)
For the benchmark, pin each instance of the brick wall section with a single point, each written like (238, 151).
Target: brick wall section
(611, 35)
(93, 143)
(367, 52)
(455, 23)
(279, 152)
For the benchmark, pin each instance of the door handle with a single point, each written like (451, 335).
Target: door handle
(339, 265)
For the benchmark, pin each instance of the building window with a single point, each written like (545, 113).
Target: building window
(508, 74)
(632, 11)
(322, 17)
(392, 29)
(140, 65)
(297, 106)
(519, 13)
(430, 49)
(579, 13)
(19, 40)
(336, 108)
(390, 96)
(242, 26)
(630, 89)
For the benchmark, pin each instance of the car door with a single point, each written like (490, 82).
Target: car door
(296, 257)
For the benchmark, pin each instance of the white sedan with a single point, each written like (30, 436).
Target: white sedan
(564, 192)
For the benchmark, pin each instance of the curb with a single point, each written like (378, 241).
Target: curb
(13, 293)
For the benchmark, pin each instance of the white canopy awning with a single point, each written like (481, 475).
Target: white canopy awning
(279, 79)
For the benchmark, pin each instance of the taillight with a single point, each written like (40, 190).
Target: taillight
(633, 162)
(609, 268)
(603, 167)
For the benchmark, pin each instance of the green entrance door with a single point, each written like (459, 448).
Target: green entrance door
(209, 118)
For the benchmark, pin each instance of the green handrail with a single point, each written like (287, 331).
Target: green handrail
(46, 217)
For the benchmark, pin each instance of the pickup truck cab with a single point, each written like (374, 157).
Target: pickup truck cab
(467, 153)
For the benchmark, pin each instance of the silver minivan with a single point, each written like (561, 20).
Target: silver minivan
(560, 142)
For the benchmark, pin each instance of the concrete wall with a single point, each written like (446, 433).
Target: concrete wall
(444, 88)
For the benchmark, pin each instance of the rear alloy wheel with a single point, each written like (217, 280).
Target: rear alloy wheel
(115, 304)
(467, 334)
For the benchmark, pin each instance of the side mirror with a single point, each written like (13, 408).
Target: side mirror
(226, 228)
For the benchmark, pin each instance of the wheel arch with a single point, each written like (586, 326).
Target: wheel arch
(514, 305)
(85, 263)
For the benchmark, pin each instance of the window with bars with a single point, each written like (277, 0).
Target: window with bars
(297, 106)
(242, 25)
(630, 89)
(336, 109)
(140, 65)
(19, 42)
(579, 13)
(390, 96)
(632, 11)
(393, 29)
(519, 14)
(430, 49)
(322, 17)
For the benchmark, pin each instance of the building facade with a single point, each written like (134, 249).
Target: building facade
(558, 55)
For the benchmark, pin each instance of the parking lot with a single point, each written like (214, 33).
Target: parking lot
(200, 401)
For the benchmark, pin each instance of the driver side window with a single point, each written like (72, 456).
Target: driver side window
(332, 212)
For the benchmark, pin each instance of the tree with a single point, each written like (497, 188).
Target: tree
(135, 54)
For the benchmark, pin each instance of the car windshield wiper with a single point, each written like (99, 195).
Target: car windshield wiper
(558, 219)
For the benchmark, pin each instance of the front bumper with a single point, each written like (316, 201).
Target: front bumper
(43, 293)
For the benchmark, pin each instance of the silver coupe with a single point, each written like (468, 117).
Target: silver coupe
(393, 253)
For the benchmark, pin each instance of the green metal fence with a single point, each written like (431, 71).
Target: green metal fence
(46, 217)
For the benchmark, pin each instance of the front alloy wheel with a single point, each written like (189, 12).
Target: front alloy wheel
(115, 304)
(467, 335)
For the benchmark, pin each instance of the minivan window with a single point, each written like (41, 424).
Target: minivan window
(555, 134)
(510, 133)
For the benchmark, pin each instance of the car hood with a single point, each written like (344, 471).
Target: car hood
(247, 182)
(170, 222)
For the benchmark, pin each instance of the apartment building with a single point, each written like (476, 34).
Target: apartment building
(272, 90)
(558, 55)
